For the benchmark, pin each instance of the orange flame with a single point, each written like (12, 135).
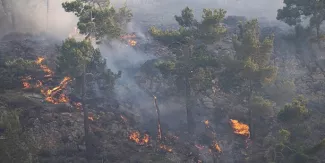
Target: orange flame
(240, 128)
(207, 125)
(50, 93)
(26, 85)
(46, 69)
(166, 148)
(91, 116)
(135, 136)
(216, 146)
(206, 122)
(78, 105)
(132, 42)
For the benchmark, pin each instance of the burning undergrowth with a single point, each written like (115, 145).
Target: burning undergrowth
(117, 129)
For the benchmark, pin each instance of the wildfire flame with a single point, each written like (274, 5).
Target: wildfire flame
(26, 84)
(130, 38)
(50, 93)
(216, 146)
(46, 69)
(240, 128)
(135, 136)
(165, 147)
(78, 105)
(132, 42)
(91, 116)
(56, 94)
(207, 125)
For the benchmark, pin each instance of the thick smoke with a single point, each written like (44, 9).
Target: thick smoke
(37, 16)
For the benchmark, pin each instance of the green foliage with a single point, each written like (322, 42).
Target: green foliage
(186, 19)
(254, 54)
(99, 21)
(14, 146)
(316, 148)
(201, 79)
(295, 11)
(261, 106)
(166, 67)
(281, 91)
(230, 79)
(294, 111)
(208, 30)
(76, 57)
(13, 70)
(194, 66)
(284, 136)
(168, 37)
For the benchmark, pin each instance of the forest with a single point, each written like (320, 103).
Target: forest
(213, 88)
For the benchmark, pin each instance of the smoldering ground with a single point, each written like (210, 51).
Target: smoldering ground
(128, 59)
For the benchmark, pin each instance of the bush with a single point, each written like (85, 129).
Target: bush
(294, 111)
(12, 71)
(13, 147)
(261, 106)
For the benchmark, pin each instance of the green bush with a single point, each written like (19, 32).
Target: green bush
(295, 111)
(261, 106)
(14, 146)
(13, 70)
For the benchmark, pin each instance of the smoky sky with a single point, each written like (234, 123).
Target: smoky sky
(158, 10)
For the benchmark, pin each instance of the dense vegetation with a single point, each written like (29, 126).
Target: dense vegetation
(281, 133)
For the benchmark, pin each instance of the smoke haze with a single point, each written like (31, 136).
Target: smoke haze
(59, 24)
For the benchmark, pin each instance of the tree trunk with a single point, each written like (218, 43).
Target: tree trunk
(251, 126)
(85, 111)
(318, 35)
(188, 105)
(159, 132)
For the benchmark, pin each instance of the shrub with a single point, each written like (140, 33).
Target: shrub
(294, 111)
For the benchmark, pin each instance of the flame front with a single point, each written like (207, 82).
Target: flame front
(240, 128)
(135, 136)
(55, 95)
(51, 93)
